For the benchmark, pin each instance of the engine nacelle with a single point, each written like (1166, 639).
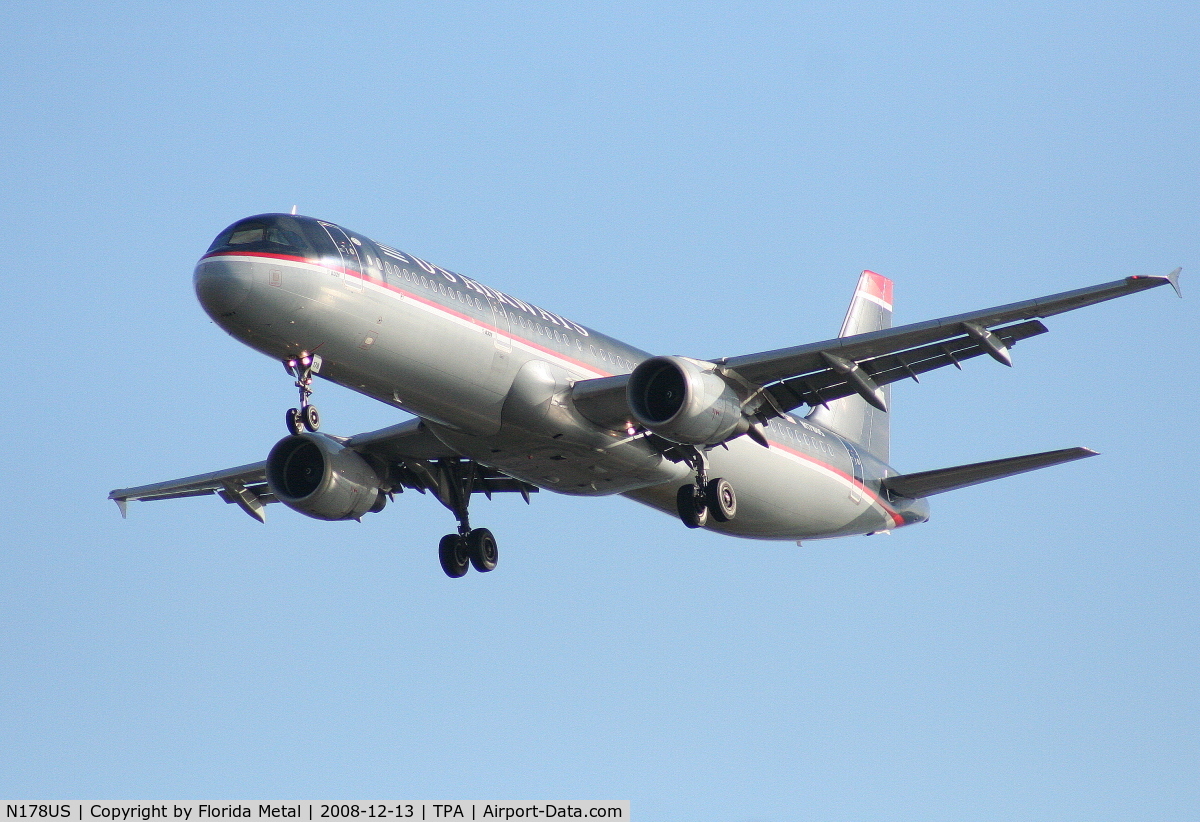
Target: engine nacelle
(321, 478)
(683, 401)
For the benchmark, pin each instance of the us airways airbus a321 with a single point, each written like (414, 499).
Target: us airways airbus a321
(506, 396)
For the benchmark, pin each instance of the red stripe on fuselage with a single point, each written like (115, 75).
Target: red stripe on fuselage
(896, 518)
(288, 257)
(414, 296)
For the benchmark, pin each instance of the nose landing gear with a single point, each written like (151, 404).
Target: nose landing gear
(306, 417)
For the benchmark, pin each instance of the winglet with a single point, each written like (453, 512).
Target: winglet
(1173, 279)
(123, 504)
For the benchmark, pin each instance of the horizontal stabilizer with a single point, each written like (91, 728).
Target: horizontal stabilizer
(927, 483)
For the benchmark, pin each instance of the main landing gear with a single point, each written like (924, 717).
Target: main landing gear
(304, 418)
(470, 546)
(706, 497)
(458, 552)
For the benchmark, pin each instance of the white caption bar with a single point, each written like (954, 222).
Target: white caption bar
(197, 811)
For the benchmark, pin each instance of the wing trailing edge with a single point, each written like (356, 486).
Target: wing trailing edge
(928, 483)
(802, 375)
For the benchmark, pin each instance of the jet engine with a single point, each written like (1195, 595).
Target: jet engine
(321, 478)
(685, 401)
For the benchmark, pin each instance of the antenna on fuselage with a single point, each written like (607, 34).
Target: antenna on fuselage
(293, 211)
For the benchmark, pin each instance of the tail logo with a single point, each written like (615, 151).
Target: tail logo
(876, 288)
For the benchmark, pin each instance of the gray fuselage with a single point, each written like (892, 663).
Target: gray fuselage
(492, 376)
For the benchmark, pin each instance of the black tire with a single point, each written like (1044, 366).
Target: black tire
(295, 424)
(722, 502)
(311, 418)
(481, 545)
(691, 507)
(452, 552)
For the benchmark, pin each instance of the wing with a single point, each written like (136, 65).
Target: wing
(245, 485)
(413, 456)
(817, 373)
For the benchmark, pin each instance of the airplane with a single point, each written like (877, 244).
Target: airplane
(507, 397)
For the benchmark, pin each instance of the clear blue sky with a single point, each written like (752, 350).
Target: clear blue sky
(704, 179)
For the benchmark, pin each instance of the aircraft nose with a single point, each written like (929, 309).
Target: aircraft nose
(221, 287)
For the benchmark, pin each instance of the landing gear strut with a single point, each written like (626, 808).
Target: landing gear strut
(470, 546)
(304, 418)
(696, 503)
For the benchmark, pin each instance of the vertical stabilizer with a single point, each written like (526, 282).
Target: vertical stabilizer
(853, 417)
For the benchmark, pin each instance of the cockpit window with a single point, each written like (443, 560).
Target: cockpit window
(246, 235)
(283, 236)
(274, 233)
